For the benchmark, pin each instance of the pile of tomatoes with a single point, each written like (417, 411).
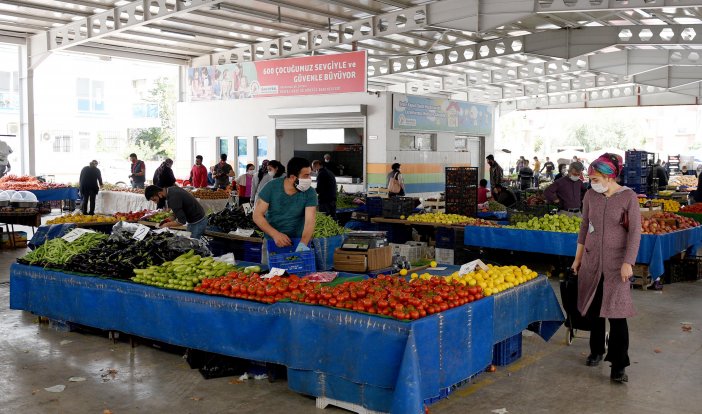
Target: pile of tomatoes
(131, 216)
(385, 295)
(694, 208)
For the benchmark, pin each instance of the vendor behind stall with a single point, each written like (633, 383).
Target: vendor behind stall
(221, 172)
(504, 196)
(245, 184)
(326, 189)
(568, 191)
(185, 207)
(286, 208)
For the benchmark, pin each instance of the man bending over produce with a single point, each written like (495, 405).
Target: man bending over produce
(285, 207)
(185, 207)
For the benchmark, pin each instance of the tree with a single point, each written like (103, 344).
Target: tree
(157, 143)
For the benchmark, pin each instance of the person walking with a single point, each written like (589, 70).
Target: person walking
(496, 172)
(138, 175)
(221, 172)
(163, 176)
(608, 244)
(90, 182)
(549, 167)
(537, 171)
(274, 169)
(396, 183)
(245, 184)
(520, 163)
(198, 174)
(5, 152)
(326, 189)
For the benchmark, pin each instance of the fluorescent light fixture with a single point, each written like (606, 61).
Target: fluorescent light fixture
(325, 136)
(176, 33)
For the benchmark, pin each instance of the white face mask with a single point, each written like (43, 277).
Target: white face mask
(271, 173)
(599, 187)
(574, 177)
(303, 184)
(250, 172)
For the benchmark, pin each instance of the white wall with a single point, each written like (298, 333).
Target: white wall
(249, 118)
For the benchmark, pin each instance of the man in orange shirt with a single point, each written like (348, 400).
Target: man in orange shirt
(198, 174)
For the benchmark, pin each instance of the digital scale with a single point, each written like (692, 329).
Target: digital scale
(364, 240)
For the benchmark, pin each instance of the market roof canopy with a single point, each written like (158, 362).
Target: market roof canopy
(522, 54)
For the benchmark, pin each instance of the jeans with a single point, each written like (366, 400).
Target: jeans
(85, 198)
(618, 353)
(198, 228)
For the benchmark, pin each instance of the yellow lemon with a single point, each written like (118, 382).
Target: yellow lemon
(403, 272)
(433, 264)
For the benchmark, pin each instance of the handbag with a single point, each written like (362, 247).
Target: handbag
(624, 220)
(394, 185)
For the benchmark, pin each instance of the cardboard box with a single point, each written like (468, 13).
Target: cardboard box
(359, 262)
(444, 256)
(19, 236)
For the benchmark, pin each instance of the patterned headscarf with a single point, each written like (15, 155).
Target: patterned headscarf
(609, 165)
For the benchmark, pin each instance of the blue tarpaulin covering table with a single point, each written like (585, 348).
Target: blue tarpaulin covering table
(56, 194)
(653, 251)
(378, 363)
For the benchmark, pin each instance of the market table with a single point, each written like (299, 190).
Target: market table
(56, 194)
(111, 202)
(653, 250)
(9, 219)
(381, 364)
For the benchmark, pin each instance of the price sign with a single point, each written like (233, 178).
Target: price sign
(469, 267)
(274, 272)
(242, 232)
(74, 234)
(141, 232)
(247, 208)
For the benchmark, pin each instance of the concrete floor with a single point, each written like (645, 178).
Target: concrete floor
(665, 376)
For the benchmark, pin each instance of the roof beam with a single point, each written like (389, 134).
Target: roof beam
(571, 6)
(108, 23)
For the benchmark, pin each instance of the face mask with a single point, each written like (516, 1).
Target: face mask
(271, 173)
(574, 177)
(599, 187)
(250, 172)
(303, 184)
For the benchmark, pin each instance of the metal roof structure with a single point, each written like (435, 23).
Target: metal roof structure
(519, 54)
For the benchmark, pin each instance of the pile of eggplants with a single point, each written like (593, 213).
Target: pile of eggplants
(118, 257)
(231, 219)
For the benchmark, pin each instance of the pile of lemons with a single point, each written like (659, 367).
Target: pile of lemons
(440, 218)
(494, 280)
(80, 218)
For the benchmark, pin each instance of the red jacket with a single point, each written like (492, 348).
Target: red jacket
(198, 176)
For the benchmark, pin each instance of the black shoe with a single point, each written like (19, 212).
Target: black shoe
(593, 360)
(657, 285)
(618, 375)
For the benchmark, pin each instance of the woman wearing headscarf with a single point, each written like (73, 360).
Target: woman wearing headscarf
(608, 244)
(163, 176)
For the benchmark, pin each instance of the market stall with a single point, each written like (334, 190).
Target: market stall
(56, 194)
(653, 250)
(419, 362)
(111, 202)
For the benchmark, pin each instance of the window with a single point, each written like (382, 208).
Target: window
(223, 147)
(262, 150)
(62, 142)
(84, 141)
(242, 153)
(145, 110)
(9, 81)
(90, 95)
(110, 142)
(417, 142)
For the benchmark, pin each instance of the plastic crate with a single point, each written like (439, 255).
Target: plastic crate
(445, 238)
(462, 176)
(299, 263)
(507, 351)
(462, 207)
(396, 233)
(253, 252)
(374, 206)
(397, 207)
(685, 270)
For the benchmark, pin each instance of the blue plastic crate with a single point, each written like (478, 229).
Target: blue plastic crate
(253, 252)
(507, 351)
(396, 233)
(374, 206)
(445, 238)
(298, 263)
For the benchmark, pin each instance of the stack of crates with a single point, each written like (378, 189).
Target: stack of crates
(635, 172)
(462, 191)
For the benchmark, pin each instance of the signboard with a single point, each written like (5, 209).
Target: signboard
(309, 75)
(420, 113)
